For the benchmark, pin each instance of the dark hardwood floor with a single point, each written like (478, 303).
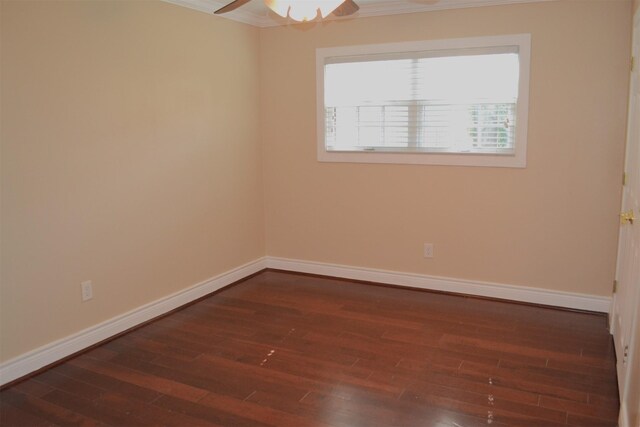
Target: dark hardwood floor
(283, 349)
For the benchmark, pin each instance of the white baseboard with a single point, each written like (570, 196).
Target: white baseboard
(53, 352)
(469, 287)
(623, 417)
(50, 353)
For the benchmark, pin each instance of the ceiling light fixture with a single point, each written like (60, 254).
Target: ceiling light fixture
(305, 10)
(301, 10)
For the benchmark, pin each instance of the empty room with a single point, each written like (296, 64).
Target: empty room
(320, 213)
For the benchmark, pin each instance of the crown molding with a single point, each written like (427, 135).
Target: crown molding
(402, 7)
(200, 5)
(238, 15)
(368, 9)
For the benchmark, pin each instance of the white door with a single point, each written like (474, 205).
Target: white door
(627, 296)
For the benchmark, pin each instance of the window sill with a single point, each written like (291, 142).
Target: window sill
(442, 159)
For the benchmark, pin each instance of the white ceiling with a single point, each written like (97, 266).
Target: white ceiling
(257, 14)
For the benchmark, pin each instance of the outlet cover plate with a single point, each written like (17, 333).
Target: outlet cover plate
(87, 290)
(428, 250)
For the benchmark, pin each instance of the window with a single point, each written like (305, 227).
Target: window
(448, 102)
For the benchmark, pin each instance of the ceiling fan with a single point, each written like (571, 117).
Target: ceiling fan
(301, 10)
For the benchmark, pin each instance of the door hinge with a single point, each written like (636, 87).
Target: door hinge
(615, 286)
(633, 63)
(624, 179)
(625, 355)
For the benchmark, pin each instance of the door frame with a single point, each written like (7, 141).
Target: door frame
(634, 341)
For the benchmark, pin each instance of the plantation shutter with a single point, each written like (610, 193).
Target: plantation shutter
(451, 101)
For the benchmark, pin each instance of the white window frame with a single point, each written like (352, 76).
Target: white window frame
(518, 159)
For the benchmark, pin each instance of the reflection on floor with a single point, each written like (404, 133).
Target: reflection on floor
(283, 349)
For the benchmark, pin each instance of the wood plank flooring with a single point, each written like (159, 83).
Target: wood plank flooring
(283, 349)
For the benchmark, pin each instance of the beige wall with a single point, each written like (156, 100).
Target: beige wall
(134, 134)
(129, 157)
(552, 225)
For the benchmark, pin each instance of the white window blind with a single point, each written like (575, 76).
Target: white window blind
(438, 102)
(443, 101)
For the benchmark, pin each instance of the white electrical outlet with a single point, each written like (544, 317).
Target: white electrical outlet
(428, 250)
(87, 290)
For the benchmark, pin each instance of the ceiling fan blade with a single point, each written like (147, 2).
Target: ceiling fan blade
(349, 7)
(231, 6)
